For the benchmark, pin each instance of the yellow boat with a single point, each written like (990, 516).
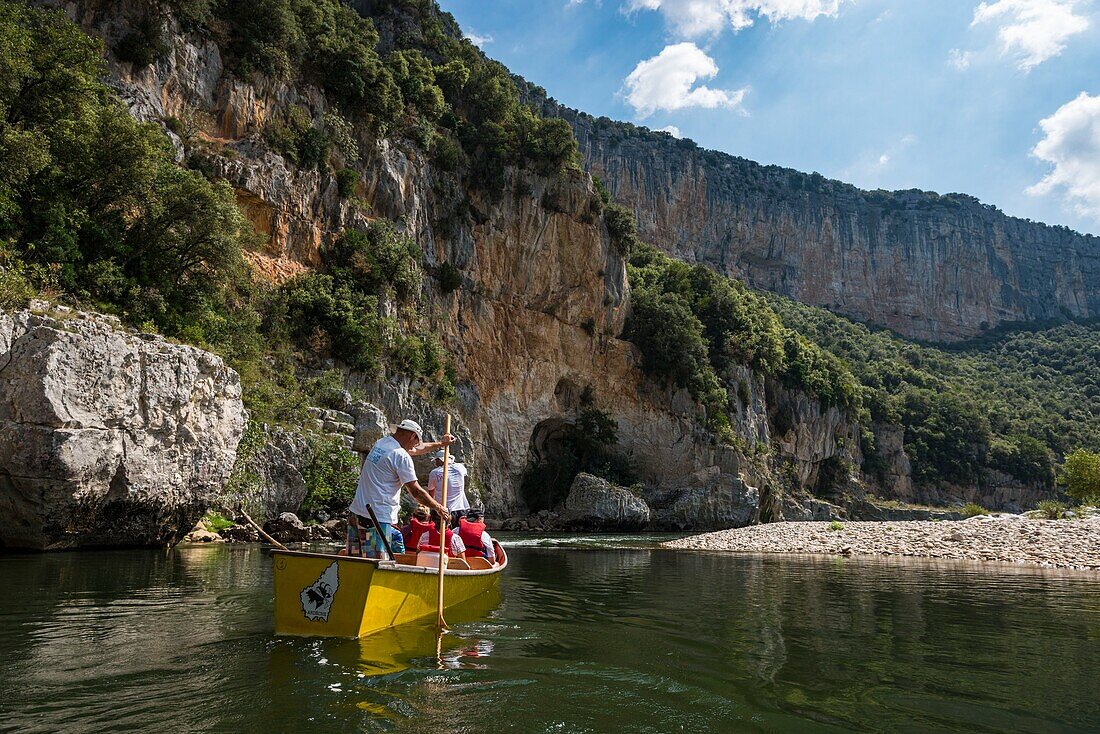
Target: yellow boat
(325, 595)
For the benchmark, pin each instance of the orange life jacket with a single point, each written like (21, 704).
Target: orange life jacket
(470, 532)
(414, 531)
(432, 546)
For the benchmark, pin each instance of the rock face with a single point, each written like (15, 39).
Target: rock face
(594, 504)
(930, 267)
(108, 437)
(533, 330)
(268, 474)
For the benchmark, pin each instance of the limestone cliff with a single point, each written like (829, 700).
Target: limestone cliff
(929, 267)
(108, 437)
(534, 327)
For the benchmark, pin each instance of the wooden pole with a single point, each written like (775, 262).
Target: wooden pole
(443, 526)
(260, 530)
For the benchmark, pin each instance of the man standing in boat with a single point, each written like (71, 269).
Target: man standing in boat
(386, 470)
(456, 485)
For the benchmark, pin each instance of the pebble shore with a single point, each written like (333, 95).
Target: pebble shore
(1010, 539)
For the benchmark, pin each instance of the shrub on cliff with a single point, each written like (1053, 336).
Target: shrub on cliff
(621, 226)
(330, 317)
(670, 338)
(325, 41)
(330, 476)
(1023, 457)
(376, 260)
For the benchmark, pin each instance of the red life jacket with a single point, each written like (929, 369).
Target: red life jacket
(432, 546)
(470, 532)
(414, 531)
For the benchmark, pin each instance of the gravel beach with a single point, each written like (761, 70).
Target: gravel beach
(1011, 539)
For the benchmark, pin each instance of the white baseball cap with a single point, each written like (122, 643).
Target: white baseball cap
(408, 425)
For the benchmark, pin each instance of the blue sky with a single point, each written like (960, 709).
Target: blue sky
(999, 99)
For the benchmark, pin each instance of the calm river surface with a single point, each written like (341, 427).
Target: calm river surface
(588, 636)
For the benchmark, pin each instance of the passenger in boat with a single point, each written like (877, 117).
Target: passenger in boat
(478, 542)
(397, 540)
(388, 469)
(456, 485)
(419, 523)
(429, 541)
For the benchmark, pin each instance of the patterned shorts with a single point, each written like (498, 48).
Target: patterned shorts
(362, 536)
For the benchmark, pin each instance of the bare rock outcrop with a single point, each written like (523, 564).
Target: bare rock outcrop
(108, 437)
(595, 504)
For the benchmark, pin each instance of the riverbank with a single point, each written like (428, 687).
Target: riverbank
(1011, 539)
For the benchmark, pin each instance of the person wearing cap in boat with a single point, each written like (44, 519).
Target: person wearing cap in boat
(478, 542)
(457, 503)
(388, 469)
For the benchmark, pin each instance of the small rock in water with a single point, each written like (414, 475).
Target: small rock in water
(287, 528)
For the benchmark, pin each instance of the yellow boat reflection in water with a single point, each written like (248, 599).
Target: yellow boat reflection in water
(324, 595)
(396, 649)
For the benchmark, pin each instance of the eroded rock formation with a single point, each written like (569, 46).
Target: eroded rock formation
(108, 437)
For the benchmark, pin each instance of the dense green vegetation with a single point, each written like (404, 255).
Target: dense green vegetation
(91, 201)
(330, 477)
(95, 210)
(1012, 401)
(430, 85)
(692, 325)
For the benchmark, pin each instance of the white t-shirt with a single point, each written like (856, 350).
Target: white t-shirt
(456, 486)
(387, 469)
(487, 544)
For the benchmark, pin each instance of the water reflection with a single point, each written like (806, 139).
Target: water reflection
(608, 639)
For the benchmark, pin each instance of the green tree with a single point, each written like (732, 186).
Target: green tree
(1080, 475)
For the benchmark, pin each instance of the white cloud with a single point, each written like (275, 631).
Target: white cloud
(668, 82)
(1032, 30)
(694, 18)
(1072, 147)
(671, 130)
(477, 40)
(959, 59)
(895, 149)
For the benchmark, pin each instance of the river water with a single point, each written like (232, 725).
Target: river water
(588, 635)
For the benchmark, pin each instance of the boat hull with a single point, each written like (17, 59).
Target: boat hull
(322, 595)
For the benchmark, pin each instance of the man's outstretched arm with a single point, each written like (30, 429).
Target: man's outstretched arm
(425, 448)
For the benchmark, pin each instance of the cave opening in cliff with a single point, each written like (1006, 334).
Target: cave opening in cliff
(551, 465)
